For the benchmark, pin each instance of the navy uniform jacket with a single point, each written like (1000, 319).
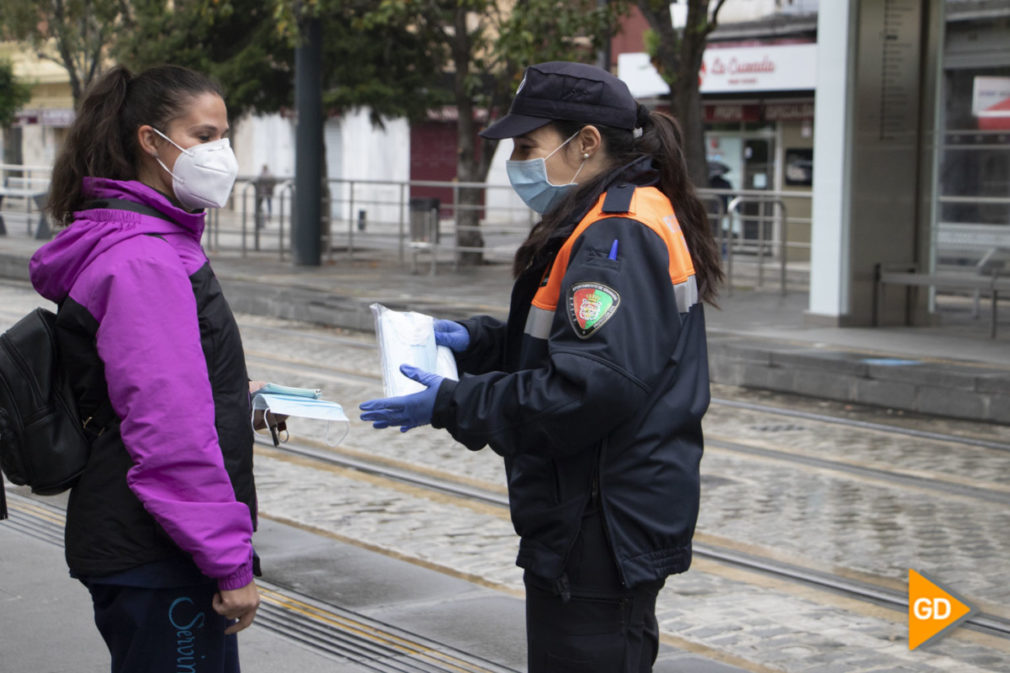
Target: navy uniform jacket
(595, 388)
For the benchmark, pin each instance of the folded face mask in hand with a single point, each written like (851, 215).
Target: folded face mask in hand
(271, 411)
(274, 389)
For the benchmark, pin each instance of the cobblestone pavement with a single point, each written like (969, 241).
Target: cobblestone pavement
(810, 515)
(847, 521)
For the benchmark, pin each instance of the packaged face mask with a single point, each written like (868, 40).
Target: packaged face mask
(406, 337)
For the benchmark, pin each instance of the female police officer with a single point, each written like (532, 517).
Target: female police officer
(594, 388)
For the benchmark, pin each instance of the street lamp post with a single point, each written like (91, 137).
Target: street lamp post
(305, 234)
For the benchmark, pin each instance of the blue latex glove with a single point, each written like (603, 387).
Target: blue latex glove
(407, 411)
(451, 334)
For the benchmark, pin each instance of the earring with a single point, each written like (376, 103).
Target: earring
(585, 155)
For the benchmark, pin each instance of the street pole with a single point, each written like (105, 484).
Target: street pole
(603, 55)
(306, 232)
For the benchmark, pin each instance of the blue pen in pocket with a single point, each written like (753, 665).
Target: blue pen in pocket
(613, 250)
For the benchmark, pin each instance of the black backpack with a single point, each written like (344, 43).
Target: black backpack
(43, 443)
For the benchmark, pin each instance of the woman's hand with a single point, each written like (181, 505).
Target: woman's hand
(240, 604)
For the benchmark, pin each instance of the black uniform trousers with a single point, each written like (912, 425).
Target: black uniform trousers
(587, 622)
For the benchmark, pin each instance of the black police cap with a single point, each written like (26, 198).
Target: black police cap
(560, 90)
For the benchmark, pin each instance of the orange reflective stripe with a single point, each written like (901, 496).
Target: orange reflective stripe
(648, 206)
(546, 297)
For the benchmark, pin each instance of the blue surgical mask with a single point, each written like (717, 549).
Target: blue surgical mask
(530, 182)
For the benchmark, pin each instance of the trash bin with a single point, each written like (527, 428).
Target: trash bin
(424, 220)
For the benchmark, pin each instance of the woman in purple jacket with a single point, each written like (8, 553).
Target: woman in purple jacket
(159, 527)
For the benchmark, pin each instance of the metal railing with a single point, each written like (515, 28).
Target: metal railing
(363, 215)
(27, 186)
(752, 227)
(769, 224)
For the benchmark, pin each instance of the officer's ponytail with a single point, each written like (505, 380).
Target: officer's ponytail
(661, 138)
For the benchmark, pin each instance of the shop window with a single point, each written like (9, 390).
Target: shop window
(973, 180)
(799, 168)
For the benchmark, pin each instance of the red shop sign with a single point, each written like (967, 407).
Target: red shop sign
(717, 113)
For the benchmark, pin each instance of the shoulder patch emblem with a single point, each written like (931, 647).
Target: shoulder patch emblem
(590, 305)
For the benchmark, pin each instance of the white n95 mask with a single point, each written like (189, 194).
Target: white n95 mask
(204, 174)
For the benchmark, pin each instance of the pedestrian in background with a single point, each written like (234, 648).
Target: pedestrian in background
(721, 225)
(265, 183)
(160, 524)
(594, 389)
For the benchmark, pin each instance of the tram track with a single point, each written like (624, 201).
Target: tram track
(359, 376)
(931, 483)
(450, 485)
(345, 375)
(866, 590)
(863, 425)
(934, 481)
(857, 586)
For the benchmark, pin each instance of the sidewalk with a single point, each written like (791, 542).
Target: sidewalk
(757, 338)
(326, 606)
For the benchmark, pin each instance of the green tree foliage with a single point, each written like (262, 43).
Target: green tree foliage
(482, 47)
(248, 45)
(386, 67)
(234, 41)
(72, 33)
(13, 94)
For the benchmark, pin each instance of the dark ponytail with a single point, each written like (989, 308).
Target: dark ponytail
(102, 141)
(662, 141)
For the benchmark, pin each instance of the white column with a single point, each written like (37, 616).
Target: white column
(833, 107)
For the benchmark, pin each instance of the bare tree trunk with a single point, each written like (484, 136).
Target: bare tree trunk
(686, 90)
(468, 201)
(86, 63)
(678, 59)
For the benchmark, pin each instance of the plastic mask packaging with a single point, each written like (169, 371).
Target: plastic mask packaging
(406, 337)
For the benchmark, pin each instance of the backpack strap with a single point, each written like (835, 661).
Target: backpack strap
(95, 421)
(3, 501)
(123, 204)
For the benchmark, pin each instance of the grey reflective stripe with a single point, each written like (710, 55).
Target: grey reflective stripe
(538, 323)
(686, 293)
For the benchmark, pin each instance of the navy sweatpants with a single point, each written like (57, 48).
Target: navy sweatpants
(163, 630)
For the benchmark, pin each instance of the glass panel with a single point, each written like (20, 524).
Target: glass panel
(973, 195)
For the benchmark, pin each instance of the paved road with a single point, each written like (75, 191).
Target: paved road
(864, 502)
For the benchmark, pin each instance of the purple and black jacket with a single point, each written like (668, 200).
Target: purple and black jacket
(143, 324)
